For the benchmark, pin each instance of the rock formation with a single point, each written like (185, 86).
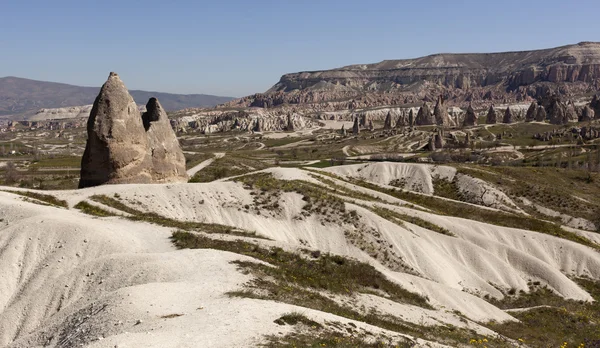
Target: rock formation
(119, 149)
(371, 125)
(491, 117)
(290, 123)
(595, 104)
(440, 113)
(508, 116)
(411, 119)
(387, 124)
(343, 131)
(439, 140)
(540, 115)
(558, 113)
(571, 113)
(470, 117)
(356, 127)
(168, 162)
(424, 116)
(431, 144)
(587, 114)
(531, 112)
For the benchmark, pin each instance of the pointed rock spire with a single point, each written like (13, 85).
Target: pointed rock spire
(508, 116)
(541, 115)
(470, 117)
(491, 117)
(116, 151)
(387, 124)
(355, 127)
(531, 112)
(168, 161)
(424, 116)
(440, 113)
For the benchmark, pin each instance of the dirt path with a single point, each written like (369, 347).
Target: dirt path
(192, 171)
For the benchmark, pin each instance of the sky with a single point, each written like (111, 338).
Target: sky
(240, 47)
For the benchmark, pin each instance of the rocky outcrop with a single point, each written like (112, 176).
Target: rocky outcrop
(439, 140)
(508, 116)
(540, 115)
(501, 77)
(356, 127)
(168, 162)
(119, 149)
(595, 104)
(424, 116)
(470, 117)
(387, 124)
(587, 114)
(531, 112)
(558, 115)
(290, 123)
(440, 113)
(491, 117)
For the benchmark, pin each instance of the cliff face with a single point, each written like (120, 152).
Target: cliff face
(572, 63)
(463, 77)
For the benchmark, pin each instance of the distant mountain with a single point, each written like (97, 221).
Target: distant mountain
(24, 97)
(461, 78)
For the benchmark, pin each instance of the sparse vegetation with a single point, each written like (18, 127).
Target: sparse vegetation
(554, 320)
(89, 209)
(51, 200)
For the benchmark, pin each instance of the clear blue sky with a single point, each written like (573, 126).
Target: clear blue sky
(240, 47)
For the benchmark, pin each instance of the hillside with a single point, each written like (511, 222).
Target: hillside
(24, 97)
(510, 76)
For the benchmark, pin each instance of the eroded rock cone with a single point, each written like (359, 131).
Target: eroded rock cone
(540, 115)
(439, 140)
(371, 126)
(587, 114)
(491, 117)
(168, 162)
(571, 112)
(558, 115)
(116, 151)
(424, 116)
(595, 104)
(531, 112)
(290, 123)
(470, 117)
(411, 118)
(440, 113)
(355, 127)
(431, 144)
(387, 124)
(508, 116)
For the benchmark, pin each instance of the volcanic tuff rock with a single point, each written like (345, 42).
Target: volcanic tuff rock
(470, 117)
(441, 114)
(531, 112)
(508, 116)
(541, 114)
(503, 77)
(387, 124)
(491, 117)
(168, 161)
(424, 116)
(587, 114)
(355, 127)
(118, 149)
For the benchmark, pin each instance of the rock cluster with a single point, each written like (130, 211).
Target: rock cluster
(387, 124)
(124, 147)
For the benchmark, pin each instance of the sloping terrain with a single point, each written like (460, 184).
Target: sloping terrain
(294, 256)
(22, 98)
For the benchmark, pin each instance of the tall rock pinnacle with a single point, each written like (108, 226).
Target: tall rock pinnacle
(168, 162)
(119, 150)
